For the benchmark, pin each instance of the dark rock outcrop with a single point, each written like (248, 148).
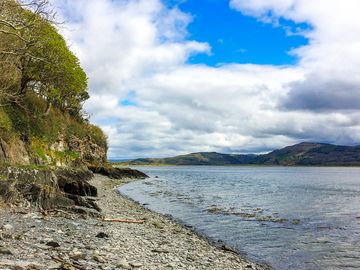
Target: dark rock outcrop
(46, 188)
(73, 181)
(60, 188)
(75, 186)
(38, 187)
(118, 173)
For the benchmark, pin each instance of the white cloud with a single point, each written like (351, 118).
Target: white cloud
(141, 47)
(332, 57)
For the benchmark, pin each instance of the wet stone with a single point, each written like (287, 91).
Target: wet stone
(102, 235)
(53, 244)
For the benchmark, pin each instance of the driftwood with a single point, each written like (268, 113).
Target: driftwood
(123, 220)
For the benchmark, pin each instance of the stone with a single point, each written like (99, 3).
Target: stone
(77, 255)
(135, 264)
(160, 251)
(4, 251)
(80, 245)
(228, 248)
(123, 264)
(98, 259)
(7, 227)
(172, 265)
(53, 244)
(102, 235)
(54, 265)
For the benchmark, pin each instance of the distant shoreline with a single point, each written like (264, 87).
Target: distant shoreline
(302, 154)
(116, 164)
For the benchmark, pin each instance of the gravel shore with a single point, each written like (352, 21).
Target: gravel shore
(59, 240)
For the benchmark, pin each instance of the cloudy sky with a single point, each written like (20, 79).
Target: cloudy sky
(170, 77)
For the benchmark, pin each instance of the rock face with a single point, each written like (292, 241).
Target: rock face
(89, 152)
(62, 153)
(76, 182)
(55, 175)
(77, 152)
(48, 189)
(14, 153)
(39, 187)
(67, 188)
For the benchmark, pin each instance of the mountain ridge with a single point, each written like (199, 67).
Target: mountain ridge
(301, 154)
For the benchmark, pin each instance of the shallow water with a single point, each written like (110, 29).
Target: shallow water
(288, 217)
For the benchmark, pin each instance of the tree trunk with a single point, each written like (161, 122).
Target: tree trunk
(23, 85)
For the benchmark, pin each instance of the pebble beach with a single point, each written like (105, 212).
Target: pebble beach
(30, 239)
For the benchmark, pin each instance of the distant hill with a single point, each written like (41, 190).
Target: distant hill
(303, 154)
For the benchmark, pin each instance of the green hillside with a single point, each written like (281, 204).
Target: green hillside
(303, 154)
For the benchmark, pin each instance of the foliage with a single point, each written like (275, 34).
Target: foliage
(29, 123)
(59, 77)
(5, 122)
(17, 25)
(42, 85)
(43, 152)
(35, 57)
(39, 148)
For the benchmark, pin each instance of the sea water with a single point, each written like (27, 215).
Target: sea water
(286, 217)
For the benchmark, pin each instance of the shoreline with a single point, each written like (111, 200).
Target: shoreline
(213, 242)
(72, 241)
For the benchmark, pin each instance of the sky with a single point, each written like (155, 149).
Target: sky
(169, 77)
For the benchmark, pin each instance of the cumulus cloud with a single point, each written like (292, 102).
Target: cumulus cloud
(151, 102)
(330, 61)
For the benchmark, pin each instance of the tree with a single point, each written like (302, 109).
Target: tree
(17, 23)
(35, 57)
(55, 72)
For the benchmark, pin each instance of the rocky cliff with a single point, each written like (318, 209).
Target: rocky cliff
(47, 160)
(50, 188)
(47, 143)
(62, 153)
(14, 152)
(57, 138)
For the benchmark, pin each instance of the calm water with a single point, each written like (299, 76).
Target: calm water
(290, 218)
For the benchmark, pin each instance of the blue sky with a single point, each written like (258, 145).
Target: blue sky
(236, 38)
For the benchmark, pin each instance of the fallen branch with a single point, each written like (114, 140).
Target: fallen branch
(123, 220)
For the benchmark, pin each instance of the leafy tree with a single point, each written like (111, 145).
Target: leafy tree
(17, 22)
(55, 72)
(35, 57)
